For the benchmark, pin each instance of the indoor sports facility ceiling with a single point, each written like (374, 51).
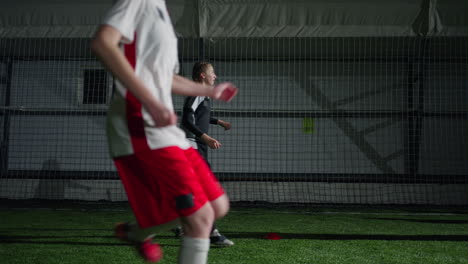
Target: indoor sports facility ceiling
(248, 18)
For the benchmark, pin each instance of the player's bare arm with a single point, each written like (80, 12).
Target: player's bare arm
(211, 142)
(105, 45)
(224, 124)
(183, 86)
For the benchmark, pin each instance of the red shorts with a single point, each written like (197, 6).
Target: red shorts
(165, 184)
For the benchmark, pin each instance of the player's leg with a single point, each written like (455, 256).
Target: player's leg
(203, 151)
(195, 241)
(140, 198)
(199, 223)
(131, 231)
(161, 188)
(221, 207)
(195, 210)
(219, 200)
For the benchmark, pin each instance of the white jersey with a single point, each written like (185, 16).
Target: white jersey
(150, 45)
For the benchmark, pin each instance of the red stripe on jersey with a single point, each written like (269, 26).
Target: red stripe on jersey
(135, 121)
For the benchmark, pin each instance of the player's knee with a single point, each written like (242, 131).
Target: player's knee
(221, 207)
(199, 224)
(205, 216)
(222, 211)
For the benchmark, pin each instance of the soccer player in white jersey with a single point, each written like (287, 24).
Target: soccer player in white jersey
(165, 179)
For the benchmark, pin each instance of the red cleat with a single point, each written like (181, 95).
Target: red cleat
(150, 251)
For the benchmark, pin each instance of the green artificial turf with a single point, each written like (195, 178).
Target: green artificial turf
(74, 235)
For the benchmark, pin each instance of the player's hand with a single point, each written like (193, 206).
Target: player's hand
(224, 91)
(162, 115)
(211, 142)
(224, 124)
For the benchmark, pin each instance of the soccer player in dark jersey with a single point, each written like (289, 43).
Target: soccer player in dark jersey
(196, 119)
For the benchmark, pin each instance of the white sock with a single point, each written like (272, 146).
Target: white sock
(194, 250)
